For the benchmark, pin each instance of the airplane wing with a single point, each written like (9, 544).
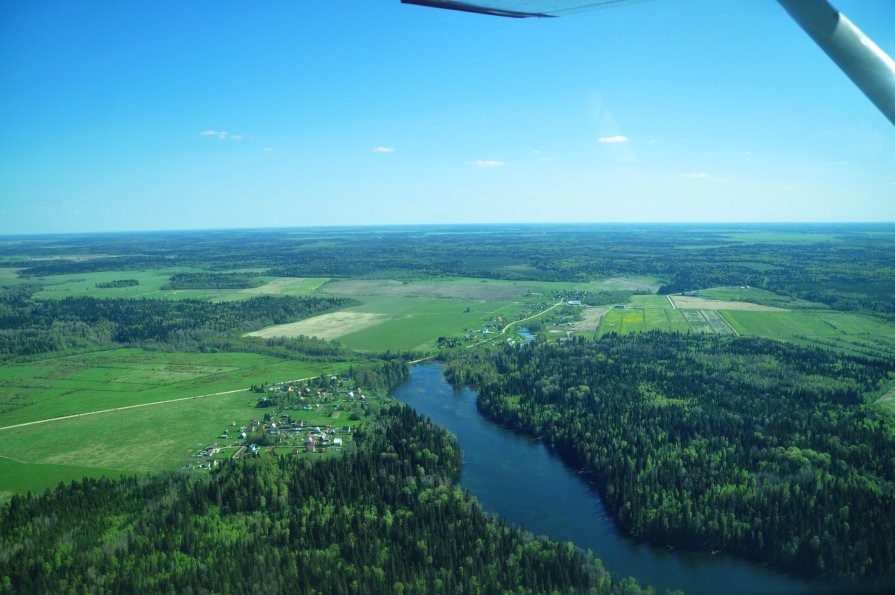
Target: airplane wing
(519, 8)
(868, 66)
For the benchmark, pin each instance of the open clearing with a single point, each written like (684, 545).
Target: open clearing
(399, 323)
(888, 400)
(590, 318)
(68, 385)
(287, 286)
(759, 296)
(466, 289)
(641, 284)
(326, 326)
(843, 331)
(686, 302)
(151, 282)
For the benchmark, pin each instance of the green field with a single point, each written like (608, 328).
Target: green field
(482, 289)
(135, 440)
(18, 477)
(888, 400)
(758, 296)
(59, 386)
(159, 436)
(416, 323)
(150, 285)
(855, 333)
(632, 320)
(838, 330)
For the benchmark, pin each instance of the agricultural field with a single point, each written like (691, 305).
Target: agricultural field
(131, 441)
(843, 331)
(326, 326)
(590, 318)
(144, 438)
(888, 400)
(759, 296)
(706, 321)
(397, 323)
(635, 284)
(467, 289)
(59, 386)
(150, 283)
(481, 289)
(686, 302)
(18, 477)
(633, 320)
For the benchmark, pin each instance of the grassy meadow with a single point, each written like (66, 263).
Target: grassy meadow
(59, 386)
(843, 331)
(151, 282)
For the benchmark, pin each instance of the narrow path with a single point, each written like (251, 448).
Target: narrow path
(671, 301)
(556, 305)
(74, 415)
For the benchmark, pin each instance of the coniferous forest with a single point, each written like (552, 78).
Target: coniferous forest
(749, 446)
(30, 326)
(385, 517)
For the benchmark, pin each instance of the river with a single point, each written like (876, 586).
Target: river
(529, 486)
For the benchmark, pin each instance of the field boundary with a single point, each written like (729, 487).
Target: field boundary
(126, 407)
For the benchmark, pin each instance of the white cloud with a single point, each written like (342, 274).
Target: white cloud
(384, 150)
(221, 134)
(653, 141)
(613, 139)
(482, 163)
(695, 176)
(268, 149)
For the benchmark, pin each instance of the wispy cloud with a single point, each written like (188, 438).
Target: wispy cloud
(695, 176)
(384, 150)
(613, 139)
(653, 141)
(483, 163)
(221, 134)
(268, 149)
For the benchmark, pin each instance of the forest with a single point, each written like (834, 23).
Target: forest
(843, 266)
(748, 446)
(385, 517)
(212, 281)
(29, 326)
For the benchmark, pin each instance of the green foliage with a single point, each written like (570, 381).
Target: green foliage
(386, 516)
(213, 281)
(33, 326)
(745, 445)
(117, 283)
(846, 267)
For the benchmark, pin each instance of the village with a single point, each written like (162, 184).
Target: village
(316, 417)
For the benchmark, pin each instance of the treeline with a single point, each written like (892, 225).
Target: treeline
(117, 283)
(847, 267)
(213, 281)
(29, 326)
(748, 446)
(384, 517)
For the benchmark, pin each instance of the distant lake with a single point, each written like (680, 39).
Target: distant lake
(529, 486)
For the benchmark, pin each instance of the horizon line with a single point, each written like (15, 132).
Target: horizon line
(423, 225)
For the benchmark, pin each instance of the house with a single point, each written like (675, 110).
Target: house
(337, 442)
(574, 302)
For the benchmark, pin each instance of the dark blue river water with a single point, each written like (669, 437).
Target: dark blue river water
(529, 486)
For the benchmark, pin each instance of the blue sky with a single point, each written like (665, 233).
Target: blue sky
(208, 114)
